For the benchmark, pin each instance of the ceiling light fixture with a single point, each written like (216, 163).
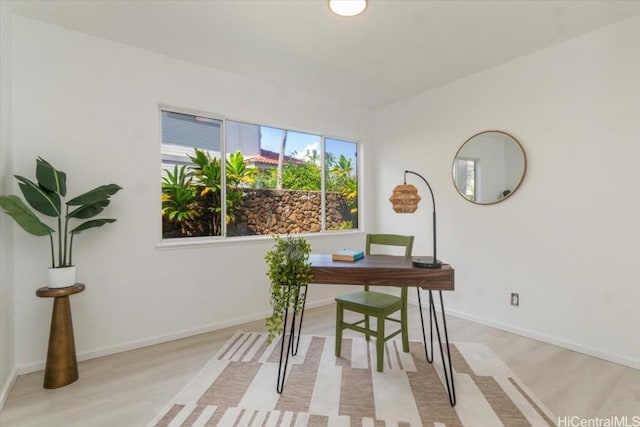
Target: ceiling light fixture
(347, 7)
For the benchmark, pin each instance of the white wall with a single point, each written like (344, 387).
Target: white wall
(7, 343)
(90, 107)
(568, 240)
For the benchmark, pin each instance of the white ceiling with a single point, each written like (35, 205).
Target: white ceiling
(394, 50)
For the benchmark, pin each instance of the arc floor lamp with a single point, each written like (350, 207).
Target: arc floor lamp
(405, 199)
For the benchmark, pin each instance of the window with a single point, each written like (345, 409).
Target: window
(273, 181)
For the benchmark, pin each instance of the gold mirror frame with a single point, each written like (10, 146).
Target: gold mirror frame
(475, 163)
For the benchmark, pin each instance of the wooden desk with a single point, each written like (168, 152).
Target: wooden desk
(62, 365)
(380, 270)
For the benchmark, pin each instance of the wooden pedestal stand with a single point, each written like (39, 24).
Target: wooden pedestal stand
(62, 365)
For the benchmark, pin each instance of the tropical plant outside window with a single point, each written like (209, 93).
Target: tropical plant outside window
(274, 181)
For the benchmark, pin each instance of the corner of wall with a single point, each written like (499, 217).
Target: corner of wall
(7, 329)
(6, 388)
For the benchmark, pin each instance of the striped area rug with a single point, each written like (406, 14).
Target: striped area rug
(237, 387)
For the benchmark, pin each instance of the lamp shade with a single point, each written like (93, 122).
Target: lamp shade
(405, 198)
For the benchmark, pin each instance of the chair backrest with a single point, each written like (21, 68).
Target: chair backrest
(390, 240)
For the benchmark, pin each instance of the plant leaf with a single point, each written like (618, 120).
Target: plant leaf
(91, 224)
(51, 178)
(102, 192)
(25, 218)
(42, 200)
(89, 210)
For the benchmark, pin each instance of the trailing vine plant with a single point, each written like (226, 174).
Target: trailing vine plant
(289, 270)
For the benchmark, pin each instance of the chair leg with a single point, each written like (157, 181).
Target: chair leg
(339, 317)
(404, 324)
(366, 326)
(380, 344)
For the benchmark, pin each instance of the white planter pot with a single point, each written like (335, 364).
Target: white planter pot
(62, 277)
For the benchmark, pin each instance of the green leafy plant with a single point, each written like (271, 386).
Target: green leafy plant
(350, 192)
(302, 177)
(289, 270)
(207, 171)
(340, 178)
(238, 172)
(45, 196)
(178, 195)
(344, 225)
(189, 192)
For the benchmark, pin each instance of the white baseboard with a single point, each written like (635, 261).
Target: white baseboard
(620, 360)
(39, 366)
(4, 393)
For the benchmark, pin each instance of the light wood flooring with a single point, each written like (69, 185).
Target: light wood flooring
(128, 389)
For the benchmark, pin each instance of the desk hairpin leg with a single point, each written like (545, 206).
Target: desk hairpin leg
(293, 342)
(448, 371)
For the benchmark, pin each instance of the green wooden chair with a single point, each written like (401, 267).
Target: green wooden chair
(376, 304)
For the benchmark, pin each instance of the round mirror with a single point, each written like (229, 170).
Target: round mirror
(489, 167)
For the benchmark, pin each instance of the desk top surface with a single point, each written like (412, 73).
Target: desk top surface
(382, 270)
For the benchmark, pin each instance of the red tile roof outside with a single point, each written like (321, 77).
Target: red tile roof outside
(271, 158)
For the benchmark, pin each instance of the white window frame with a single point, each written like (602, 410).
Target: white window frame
(183, 242)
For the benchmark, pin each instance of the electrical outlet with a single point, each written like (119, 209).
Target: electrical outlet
(515, 299)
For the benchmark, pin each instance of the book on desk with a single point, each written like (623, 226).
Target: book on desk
(347, 255)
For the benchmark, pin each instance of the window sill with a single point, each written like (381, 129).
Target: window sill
(197, 242)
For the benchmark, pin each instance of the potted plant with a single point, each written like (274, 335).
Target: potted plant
(46, 198)
(289, 269)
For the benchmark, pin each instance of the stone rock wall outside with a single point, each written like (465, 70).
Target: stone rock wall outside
(266, 211)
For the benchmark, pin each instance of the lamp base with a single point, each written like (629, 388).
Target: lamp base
(426, 262)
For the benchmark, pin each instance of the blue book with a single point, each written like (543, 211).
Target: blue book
(347, 255)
